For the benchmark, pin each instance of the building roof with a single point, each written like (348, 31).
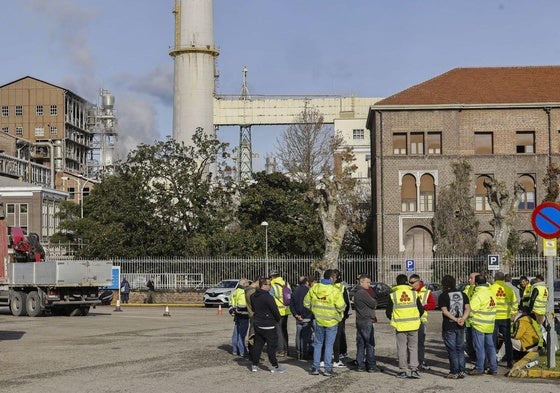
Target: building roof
(486, 85)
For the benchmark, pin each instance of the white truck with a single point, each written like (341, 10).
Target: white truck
(30, 286)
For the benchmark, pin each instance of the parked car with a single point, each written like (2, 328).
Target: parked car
(220, 293)
(382, 293)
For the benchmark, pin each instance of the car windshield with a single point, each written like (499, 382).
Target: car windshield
(226, 284)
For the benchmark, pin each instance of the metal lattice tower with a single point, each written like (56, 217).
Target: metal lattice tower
(245, 155)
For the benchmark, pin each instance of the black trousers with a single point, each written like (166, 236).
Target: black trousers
(268, 337)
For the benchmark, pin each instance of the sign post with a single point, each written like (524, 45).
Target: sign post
(546, 222)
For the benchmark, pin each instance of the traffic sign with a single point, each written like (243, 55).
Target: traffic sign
(493, 262)
(550, 247)
(546, 220)
(409, 263)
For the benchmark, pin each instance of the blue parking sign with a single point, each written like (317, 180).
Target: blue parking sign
(493, 262)
(409, 264)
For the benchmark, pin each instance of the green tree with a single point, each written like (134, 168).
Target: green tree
(454, 223)
(158, 201)
(551, 183)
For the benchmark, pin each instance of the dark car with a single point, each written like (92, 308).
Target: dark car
(382, 293)
(436, 290)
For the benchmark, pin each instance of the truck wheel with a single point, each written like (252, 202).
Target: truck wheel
(85, 310)
(76, 312)
(33, 304)
(18, 304)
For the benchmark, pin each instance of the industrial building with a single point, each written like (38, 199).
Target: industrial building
(505, 121)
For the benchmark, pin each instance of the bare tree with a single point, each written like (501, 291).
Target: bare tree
(310, 153)
(504, 207)
(304, 149)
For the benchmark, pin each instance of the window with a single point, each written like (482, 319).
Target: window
(54, 110)
(427, 192)
(528, 197)
(481, 199)
(19, 110)
(399, 143)
(19, 130)
(72, 192)
(39, 110)
(16, 215)
(358, 134)
(483, 143)
(408, 194)
(54, 130)
(5, 111)
(416, 143)
(39, 131)
(434, 142)
(5, 130)
(525, 141)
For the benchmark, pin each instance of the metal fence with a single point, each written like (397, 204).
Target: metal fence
(200, 273)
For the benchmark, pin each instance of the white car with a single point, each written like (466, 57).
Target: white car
(220, 294)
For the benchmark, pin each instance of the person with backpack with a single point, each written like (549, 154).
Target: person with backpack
(282, 294)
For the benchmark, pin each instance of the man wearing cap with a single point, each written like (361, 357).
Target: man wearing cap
(278, 286)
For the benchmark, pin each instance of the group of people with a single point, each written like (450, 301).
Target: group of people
(477, 320)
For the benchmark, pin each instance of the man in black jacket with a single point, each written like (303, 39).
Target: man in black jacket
(304, 320)
(265, 318)
(364, 306)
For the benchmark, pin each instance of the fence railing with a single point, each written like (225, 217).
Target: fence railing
(202, 273)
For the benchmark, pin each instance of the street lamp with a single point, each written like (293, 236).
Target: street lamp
(80, 191)
(265, 225)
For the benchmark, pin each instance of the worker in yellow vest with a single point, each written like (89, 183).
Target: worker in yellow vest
(469, 346)
(506, 310)
(429, 303)
(327, 305)
(482, 318)
(539, 298)
(405, 311)
(278, 287)
(525, 290)
(238, 309)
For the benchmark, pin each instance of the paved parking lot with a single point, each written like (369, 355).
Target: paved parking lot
(140, 350)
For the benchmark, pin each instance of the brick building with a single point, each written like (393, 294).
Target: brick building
(505, 121)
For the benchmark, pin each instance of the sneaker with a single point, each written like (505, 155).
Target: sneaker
(415, 375)
(314, 371)
(322, 364)
(461, 375)
(360, 370)
(374, 369)
(424, 367)
(342, 355)
(254, 369)
(452, 376)
(328, 373)
(338, 364)
(491, 372)
(474, 371)
(278, 369)
(402, 374)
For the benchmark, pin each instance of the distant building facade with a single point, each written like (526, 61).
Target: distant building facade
(505, 121)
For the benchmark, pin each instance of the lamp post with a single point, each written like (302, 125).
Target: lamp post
(80, 191)
(265, 225)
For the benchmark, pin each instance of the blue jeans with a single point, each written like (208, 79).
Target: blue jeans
(323, 336)
(454, 341)
(238, 337)
(504, 326)
(365, 345)
(485, 350)
(304, 335)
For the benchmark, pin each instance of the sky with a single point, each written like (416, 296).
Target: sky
(370, 48)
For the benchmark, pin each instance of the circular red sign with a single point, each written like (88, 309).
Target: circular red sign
(546, 220)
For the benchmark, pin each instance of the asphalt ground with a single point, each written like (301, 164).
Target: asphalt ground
(140, 350)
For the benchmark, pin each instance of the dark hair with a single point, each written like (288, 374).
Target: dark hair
(499, 276)
(338, 275)
(402, 279)
(539, 277)
(363, 275)
(416, 276)
(523, 278)
(262, 281)
(328, 274)
(480, 279)
(303, 280)
(448, 282)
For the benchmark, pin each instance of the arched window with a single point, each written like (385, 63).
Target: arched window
(481, 199)
(427, 192)
(528, 198)
(408, 193)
